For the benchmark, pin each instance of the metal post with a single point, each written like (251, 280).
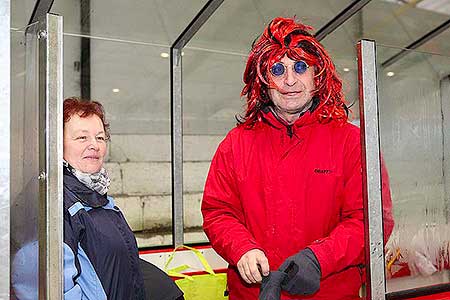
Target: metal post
(370, 145)
(445, 111)
(50, 158)
(5, 91)
(85, 55)
(177, 148)
(177, 116)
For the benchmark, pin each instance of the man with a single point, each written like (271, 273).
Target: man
(283, 198)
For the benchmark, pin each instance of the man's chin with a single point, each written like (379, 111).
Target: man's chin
(298, 109)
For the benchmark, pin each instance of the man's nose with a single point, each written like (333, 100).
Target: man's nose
(290, 77)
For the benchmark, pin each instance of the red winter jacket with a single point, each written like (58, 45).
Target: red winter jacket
(282, 188)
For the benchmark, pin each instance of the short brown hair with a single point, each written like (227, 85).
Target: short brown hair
(85, 108)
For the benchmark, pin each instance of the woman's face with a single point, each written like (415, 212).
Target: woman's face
(85, 143)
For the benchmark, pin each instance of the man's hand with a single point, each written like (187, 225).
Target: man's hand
(250, 264)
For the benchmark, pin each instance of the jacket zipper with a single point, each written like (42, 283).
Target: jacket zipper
(289, 130)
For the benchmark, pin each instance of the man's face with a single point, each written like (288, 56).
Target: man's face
(85, 143)
(294, 88)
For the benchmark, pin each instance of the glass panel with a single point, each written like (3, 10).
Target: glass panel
(414, 102)
(24, 161)
(124, 64)
(158, 21)
(439, 44)
(5, 137)
(387, 22)
(210, 102)
(213, 65)
(136, 97)
(21, 11)
(235, 24)
(393, 23)
(398, 24)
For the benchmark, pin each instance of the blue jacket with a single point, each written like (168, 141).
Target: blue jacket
(100, 252)
(101, 258)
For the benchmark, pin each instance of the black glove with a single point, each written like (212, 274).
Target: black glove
(303, 273)
(271, 286)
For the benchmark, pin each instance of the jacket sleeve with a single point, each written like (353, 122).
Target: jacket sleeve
(72, 290)
(223, 218)
(25, 274)
(344, 246)
(388, 218)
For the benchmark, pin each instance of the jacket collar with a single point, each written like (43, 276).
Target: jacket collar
(84, 194)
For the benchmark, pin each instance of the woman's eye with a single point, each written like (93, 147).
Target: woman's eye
(82, 138)
(101, 138)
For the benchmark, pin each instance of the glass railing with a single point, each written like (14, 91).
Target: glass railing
(414, 114)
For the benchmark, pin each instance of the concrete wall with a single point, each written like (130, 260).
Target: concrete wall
(140, 170)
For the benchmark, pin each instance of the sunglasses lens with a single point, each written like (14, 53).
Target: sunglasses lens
(277, 69)
(300, 67)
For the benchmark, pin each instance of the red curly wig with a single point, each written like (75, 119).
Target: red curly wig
(283, 36)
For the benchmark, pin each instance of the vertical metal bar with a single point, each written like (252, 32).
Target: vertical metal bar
(85, 55)
(445, 112)
(177, 147)
(177, 116)
(50, 157)
(370, 145)
(42, 35)
(5, 92)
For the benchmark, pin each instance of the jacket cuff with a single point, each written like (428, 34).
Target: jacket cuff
(324, 257)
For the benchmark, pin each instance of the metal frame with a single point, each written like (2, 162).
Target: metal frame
(343, 16)
(177, 147)
(203, 15)
(370, 148)
(50, 36)
(41, 8)
(445, 112)
(85, 55)
(417, 43)
(176, 85)
(5, 94)
(418, 292)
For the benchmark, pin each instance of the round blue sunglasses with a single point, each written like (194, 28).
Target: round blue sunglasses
(278, 68)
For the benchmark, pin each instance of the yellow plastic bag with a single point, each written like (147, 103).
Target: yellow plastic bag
(211, 286)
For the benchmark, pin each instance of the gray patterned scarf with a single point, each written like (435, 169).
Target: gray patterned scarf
(98, 182)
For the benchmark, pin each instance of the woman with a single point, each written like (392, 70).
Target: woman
(101, 258)
(100, 252)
